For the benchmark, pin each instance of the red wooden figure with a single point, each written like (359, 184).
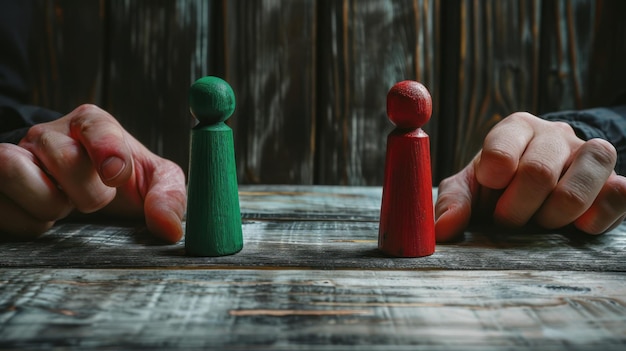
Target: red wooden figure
(407, 223)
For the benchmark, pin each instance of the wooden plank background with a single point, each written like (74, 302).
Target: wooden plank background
(269, 58)
(311, 76)
(364, 48)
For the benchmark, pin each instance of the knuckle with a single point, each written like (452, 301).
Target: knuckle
(602, 151)
(446, 182)
(616, 187)
(499, 156)
(43, 139)
(521, 116)
(88, 110)
(88, 114)
(49, 145)
(525, 120)
(83, 121)
(563, 127)
(539, 174)
(35, 133)
(573, 198)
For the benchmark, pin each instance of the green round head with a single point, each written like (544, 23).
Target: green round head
(211, 100)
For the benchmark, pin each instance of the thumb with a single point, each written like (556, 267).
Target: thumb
(156, 192)
(165, 204)
(453, 208)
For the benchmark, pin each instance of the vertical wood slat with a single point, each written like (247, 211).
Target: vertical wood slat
(584, 48)
(564, 70)
(365, 48)
(495, 55)
(269, 59)
(156, 50)
(66, 63)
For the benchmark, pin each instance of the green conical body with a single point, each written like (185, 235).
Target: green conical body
(213, 213)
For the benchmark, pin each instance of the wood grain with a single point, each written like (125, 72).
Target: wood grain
(366, 47)
(336, 228)
(319, 245)
(491, 70)
(583, 49)
(295, 202)
(407, 223)
(156, 49)
(213, 221)
(312, 309)
(67, 64)
(269, 59)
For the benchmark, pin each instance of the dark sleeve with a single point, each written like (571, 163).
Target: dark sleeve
(608, 123)
(16, 116)
(16, 119)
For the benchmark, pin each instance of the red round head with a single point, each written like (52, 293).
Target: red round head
(409, 105)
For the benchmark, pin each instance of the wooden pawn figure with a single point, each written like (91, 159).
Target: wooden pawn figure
(213, 214)
(407, 225)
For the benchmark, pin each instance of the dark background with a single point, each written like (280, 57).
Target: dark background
(311, 77)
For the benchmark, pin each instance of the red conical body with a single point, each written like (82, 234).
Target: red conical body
(407, 224)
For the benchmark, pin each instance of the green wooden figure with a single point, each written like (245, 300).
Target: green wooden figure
(213, 215)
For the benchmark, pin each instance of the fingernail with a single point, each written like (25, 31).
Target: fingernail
(112, 167)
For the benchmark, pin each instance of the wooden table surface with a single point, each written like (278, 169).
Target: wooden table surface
(310, 277)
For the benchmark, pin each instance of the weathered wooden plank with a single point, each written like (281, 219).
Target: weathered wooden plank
(156, 49)
(281, 202)
(320, 227)
(67, 55)
(269, 59)
(583, 48)
(304, 310)
(491, 62)
(321, 245)
(365, 48)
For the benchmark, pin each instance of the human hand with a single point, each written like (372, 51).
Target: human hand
(86, 161)
(534, 170)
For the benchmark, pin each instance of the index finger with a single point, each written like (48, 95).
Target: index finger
(502, 149)
(104, 139)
